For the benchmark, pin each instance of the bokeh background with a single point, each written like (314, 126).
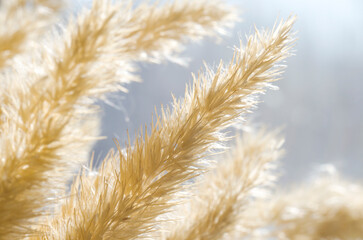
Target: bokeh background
(319, 104)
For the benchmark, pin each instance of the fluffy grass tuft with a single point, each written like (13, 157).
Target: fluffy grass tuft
(222, 196)
(136, 185)
(47, 116)
(52, 74)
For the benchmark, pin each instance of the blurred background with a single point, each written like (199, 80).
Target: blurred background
(319, 104)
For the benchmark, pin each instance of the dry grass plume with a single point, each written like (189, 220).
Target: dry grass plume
(52, 72)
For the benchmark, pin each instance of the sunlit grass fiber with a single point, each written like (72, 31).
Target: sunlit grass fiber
(163, 185)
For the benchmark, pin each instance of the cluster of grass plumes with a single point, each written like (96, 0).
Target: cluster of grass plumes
(51, 76)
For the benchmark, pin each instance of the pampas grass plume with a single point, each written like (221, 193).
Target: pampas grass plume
(52, 74)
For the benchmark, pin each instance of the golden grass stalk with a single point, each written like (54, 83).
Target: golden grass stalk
(124, 34)
(45, 127)
(149, 32)
(328, 208)
(157, 32)
(45, 132)
(22, 21)
(134, 186)
(223, 195)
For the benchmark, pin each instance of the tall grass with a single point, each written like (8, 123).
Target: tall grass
(52, 74)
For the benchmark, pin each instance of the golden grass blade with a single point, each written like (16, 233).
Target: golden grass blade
(134, 187)
(223, 195)
(155, 33)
